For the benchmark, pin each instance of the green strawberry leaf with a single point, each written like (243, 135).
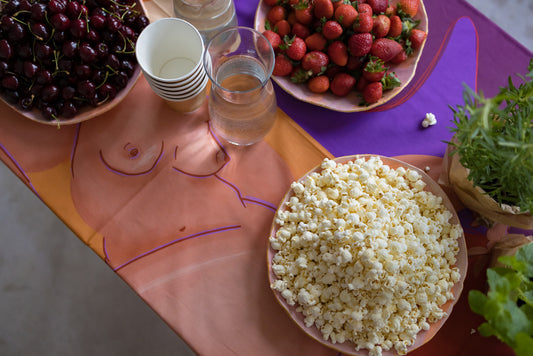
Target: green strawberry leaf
(390, 81)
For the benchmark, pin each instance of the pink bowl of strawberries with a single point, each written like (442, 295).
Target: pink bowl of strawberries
(347, 57)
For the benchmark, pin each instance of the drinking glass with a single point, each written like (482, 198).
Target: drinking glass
(242, 103)
(208, 16)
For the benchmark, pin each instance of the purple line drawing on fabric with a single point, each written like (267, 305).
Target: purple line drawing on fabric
(192, 236)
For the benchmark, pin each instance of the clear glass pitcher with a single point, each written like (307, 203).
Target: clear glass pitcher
(208, 16)
(242, 102)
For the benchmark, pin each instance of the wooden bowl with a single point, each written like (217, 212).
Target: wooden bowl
(405, 71)
(348, 347)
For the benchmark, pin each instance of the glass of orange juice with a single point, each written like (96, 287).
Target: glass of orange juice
(242, 103)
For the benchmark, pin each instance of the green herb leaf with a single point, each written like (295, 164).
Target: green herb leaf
(495, 141)
(507, 307)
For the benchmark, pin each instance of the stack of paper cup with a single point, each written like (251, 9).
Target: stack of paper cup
(169, 52)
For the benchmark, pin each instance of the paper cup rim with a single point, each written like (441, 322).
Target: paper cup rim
(141, 61)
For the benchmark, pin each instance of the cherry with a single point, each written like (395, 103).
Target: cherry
(128, 32)
(16, 32)
(49, 93)
(82, 71)
(87, 53)
(69, 110)
(68, 92)
(38, 11)
(102, 50)
(57, 6)
(49, 112)
(43, 51)
(60, 21)
(40, 31)
(86, 89)
(26, 103)
(6, 50)
(107, 91)
(73, 10)
(10, 82)
(78, 27)
(10, 7)
(65, 65)
(92, 36)
(128, 67)
(120, 79)
(113, 24)
(70, 48)
(98, 76)
(25, 51)
(141, 22)
(60, 36)
(30, 69)
(97, 21)
(25, 5)
(12, 96)
(43, 77)
(3, 67)
(112, 61)
(7, 22)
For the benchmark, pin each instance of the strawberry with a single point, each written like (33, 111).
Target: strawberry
(342, 84)
(315, 61)
(271, 2)
(304, 13)
(273, 38)
(323, 9)
(417, 38)
(360, 44)
(385, 49)
(316, 42)
(409, 7)
(354, 63)
(361, 84)
(364, 8)
(282, 28)
(363, 23)
(300, 30)
(346, 14)
(300, 75)
(378, 6)
(391, 10)
(338, 53)
(282, 66)
(381, 26)
(374, 70)
(319, 84)
(400, 57)
(395, 26)
(332, 30)
(276, 13)
(332, 71)
(373, 92)
(291, 18)
(296, 48)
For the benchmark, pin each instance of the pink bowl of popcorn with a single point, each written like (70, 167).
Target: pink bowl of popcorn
(367, 255)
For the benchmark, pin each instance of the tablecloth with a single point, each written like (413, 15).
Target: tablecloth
(184, 219)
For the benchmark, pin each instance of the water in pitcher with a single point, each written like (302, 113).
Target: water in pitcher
(243, 106)
(208, 16)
